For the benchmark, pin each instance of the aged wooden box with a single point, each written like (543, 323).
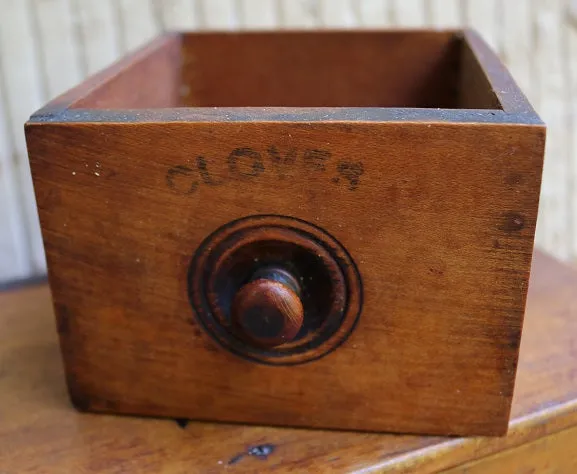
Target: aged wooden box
(320, 229)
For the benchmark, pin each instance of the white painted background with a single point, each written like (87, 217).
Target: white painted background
(47, 46)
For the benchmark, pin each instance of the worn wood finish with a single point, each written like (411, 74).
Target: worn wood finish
(41, 432)
(436, 207)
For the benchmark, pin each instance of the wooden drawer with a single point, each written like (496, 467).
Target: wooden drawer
(322, 229)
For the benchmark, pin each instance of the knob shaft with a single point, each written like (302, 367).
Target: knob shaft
(267, 310)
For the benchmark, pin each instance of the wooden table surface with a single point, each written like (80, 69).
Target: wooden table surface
(41, 432)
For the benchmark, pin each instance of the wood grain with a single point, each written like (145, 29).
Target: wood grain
(475, 91)
(267, 305)
(438, 216)
(554, 453)
(150, 79)
(338, 69)
(41, 432)
(467, 252)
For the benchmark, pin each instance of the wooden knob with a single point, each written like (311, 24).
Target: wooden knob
(268, 310)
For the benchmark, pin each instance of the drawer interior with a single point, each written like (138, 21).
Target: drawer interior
(406, 69)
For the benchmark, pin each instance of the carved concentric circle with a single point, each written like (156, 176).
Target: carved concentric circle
(330, 283)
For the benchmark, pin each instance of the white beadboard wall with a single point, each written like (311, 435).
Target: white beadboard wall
(46, 46)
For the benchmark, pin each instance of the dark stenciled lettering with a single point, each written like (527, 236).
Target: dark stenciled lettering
(282, 162)
(245, 163)
(316, 159)
(181, 179)
(351, 171)
(204, 173)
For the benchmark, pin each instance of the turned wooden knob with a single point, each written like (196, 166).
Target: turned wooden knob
(267, 310)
